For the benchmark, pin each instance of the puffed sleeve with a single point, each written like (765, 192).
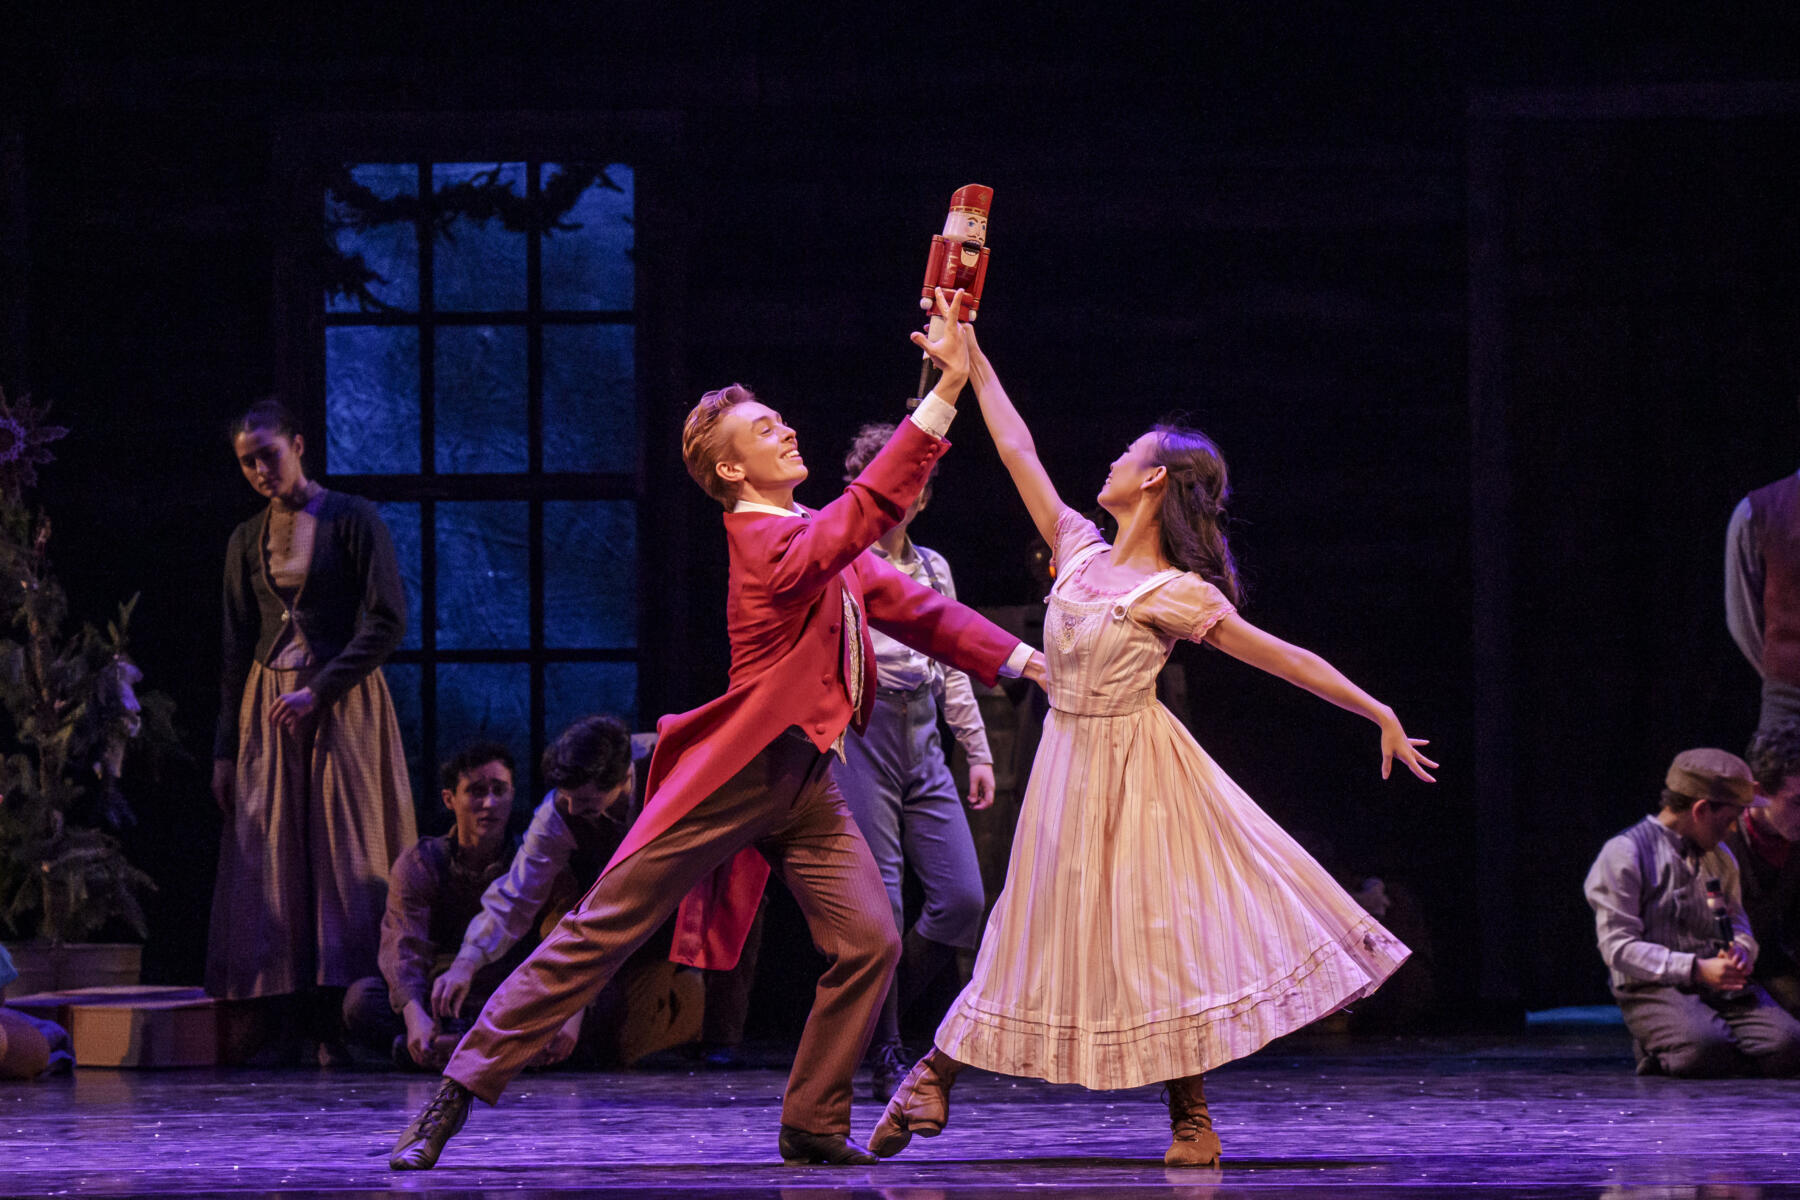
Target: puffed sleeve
(1074, 533)
(1186, 607)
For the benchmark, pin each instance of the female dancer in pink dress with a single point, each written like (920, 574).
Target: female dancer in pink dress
(1155, 922)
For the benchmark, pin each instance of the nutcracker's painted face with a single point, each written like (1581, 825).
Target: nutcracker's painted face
(962, 226)
(762, 454)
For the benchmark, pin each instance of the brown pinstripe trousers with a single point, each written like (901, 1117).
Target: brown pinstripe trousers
(785, 804)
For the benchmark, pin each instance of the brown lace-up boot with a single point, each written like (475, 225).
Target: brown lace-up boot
(921, 1105)
(1194, 1144)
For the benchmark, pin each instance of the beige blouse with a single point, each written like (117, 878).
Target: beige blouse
(287, 555)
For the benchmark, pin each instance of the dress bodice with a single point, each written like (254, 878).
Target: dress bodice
(1105, 647)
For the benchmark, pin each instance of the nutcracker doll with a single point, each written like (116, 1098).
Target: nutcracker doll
(958, 259)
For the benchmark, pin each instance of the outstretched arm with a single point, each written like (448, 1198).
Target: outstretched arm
(805, 555)
(1013, 440)
(1302, 668)
(941, 628)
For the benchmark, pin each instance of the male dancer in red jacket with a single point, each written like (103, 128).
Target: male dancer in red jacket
(744, 783)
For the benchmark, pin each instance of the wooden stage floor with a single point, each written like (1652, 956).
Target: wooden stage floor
(1535, 1115)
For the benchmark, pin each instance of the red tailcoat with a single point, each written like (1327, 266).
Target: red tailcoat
(784, 608)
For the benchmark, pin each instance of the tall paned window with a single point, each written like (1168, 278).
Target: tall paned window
(480, 384)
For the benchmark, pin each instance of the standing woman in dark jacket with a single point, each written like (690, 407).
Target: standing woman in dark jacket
(307, 763)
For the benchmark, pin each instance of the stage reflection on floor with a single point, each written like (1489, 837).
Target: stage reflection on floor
(1540, 1114)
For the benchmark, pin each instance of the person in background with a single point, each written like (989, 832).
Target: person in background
(434, 893)
(652, 1003)
(1762, 592)
(1683, 987)
(1763, 841)
(308, 769)
(899, 788)
(30, 1047)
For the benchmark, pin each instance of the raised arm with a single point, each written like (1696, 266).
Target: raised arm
(1013, 440)
(1302, 668)
(806, 555)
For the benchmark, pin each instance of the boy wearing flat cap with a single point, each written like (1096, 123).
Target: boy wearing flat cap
(1686, 995)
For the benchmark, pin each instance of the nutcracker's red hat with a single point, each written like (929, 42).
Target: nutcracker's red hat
(972, 197)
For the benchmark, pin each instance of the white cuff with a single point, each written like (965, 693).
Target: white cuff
(934, 415)
(1015, 662)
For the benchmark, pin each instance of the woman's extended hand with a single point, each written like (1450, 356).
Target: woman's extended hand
(291, 709)
(1395, 744)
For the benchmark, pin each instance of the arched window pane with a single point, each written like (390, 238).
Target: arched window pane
(588, 265)
(483, 700)
(590, 574)
(590, 398)
(372, 399)
(480, 399)
(483, 575)
(574, 690)
(377, 240)
(478, 264)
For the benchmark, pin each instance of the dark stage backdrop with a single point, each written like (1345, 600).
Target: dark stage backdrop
(1268, 228)
(1634, 296)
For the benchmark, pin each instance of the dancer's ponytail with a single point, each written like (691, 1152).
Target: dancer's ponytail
(1193, 507)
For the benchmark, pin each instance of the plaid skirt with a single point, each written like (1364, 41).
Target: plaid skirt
(318, 820)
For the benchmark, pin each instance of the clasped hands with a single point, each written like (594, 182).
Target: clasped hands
(1726, 971)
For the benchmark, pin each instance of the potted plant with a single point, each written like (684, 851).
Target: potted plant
(73, 711)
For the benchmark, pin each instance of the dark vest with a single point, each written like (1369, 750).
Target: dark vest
(459, 890)
(1775, 510)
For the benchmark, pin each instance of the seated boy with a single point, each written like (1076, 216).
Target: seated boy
(434, 891)
(1683, 981)
(652, 1004)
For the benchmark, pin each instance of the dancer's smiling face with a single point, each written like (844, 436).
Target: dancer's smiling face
(763, 453)
(1133, 473)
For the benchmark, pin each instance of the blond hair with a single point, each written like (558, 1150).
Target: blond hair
(703, 446)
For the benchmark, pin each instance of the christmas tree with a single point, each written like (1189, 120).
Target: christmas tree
(74, 712)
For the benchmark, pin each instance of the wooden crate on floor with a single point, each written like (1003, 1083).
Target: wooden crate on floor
(133, 1026)
(57, 967)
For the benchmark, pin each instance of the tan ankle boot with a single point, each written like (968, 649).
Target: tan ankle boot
(921, 1105)
(1195, 1144)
